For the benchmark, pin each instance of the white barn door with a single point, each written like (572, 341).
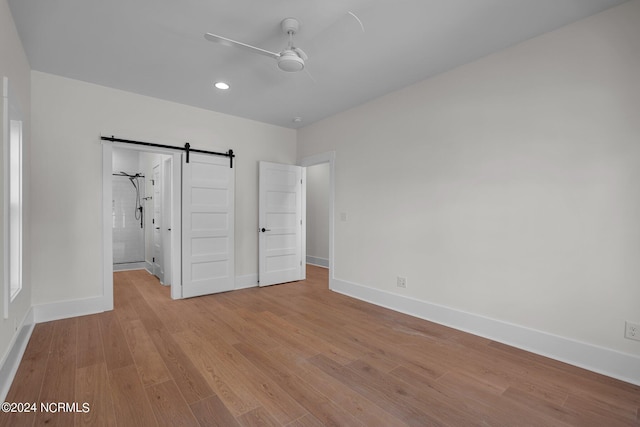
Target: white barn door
(282, 246)
(207, 225)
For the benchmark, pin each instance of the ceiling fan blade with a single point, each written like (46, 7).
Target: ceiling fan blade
(357, 19)
(306, 70)
(232, 43)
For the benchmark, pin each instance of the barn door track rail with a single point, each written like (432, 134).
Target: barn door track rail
(187, 148)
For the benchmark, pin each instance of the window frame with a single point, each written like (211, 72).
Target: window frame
(15, 208)
(13, 196)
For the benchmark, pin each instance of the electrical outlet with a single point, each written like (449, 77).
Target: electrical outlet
(402, 282)
(632, 331)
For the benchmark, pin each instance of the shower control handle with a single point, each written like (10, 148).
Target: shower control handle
(157, 228)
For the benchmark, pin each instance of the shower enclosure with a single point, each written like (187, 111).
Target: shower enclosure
(128, 220)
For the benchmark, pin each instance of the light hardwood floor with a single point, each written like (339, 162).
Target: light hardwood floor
(297, 355)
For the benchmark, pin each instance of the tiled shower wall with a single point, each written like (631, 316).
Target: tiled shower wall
(128, 232)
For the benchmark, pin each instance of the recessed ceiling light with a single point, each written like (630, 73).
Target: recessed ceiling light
(221, 85)
(297, 120)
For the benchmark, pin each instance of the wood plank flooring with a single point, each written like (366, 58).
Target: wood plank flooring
(294, 355)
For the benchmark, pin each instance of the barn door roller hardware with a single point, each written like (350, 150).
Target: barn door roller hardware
(187, 148)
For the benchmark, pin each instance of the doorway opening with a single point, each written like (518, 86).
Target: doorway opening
(320, 202)
(318, 215)
(128, 210)
(141, 212)
(141, 204)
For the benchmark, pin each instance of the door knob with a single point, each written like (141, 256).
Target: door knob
(265, 229)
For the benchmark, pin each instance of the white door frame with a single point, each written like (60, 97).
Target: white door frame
(316, 159)
(107, 230)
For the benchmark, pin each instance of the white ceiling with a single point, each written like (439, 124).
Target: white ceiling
(157, 48)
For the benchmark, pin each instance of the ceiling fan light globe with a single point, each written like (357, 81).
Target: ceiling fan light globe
(290, 63)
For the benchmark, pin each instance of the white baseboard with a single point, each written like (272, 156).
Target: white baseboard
(320, 262)
(625, 367)
(11, 361)
(129, 266)
(246, 281)
(66, 309)
(83, 307)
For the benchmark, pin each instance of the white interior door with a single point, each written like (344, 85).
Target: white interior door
(281, 229)
(158, 255)
(207, 225)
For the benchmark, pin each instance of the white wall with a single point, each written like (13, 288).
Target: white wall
(68, 118)
(318, 214)
(15, 66)
(508, 188)
(126, 161)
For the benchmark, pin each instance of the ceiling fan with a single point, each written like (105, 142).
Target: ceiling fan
(291, 59)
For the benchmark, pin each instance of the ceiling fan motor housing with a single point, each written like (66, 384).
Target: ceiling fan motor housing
(290, 61)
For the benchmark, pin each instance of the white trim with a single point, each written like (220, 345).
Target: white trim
(127, 266)
(6, 285)
(246, 281)
(625, 367)
(107, 229)
(12, 358)
(303, 223)
(66, 309)
(317, 261)
(316, 159)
